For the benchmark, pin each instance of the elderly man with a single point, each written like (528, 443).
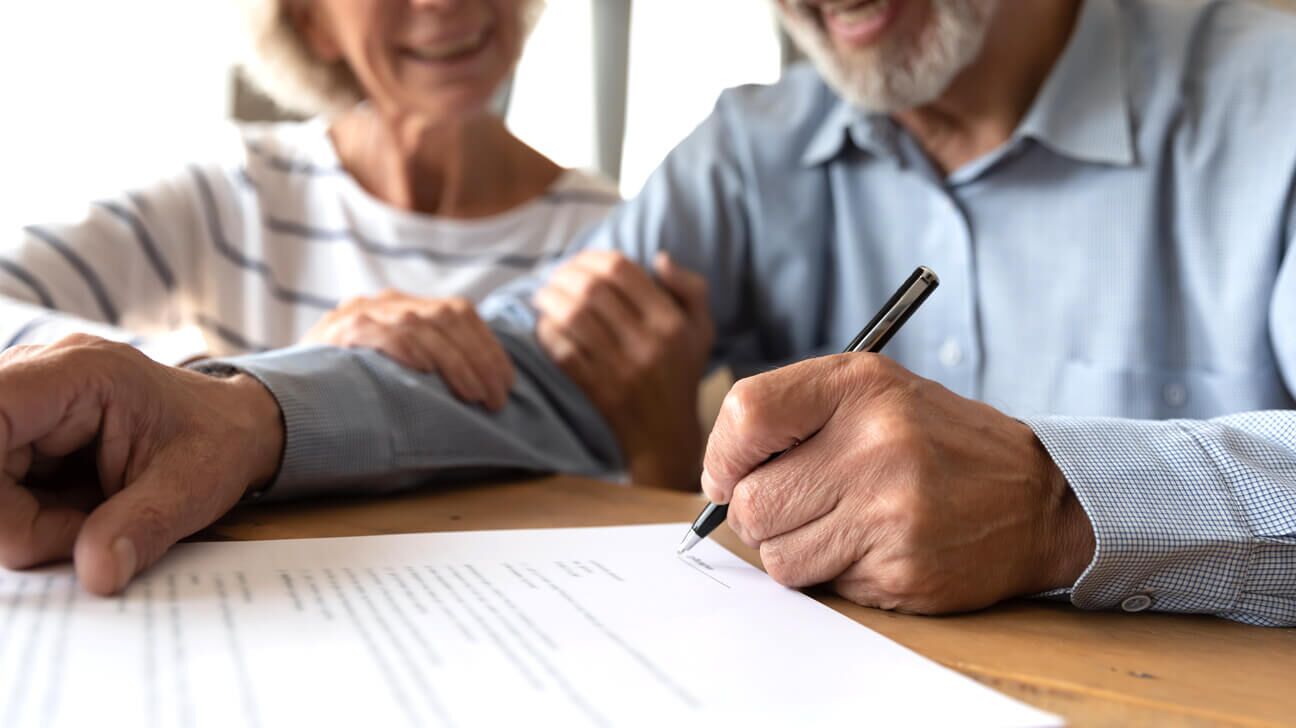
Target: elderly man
(1096, 404)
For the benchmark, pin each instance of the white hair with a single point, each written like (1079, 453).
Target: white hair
(279, 61)
(897, 76)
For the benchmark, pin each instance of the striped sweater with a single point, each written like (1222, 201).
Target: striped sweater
(245, 253)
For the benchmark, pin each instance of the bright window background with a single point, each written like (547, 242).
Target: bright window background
(682, 54)
(101, 96)
(552, 105)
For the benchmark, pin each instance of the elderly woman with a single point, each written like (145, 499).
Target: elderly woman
(404, 181)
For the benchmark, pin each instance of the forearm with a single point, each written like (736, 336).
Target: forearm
(119, 272)
(1188, 516)
(23, 324)
(355, 420)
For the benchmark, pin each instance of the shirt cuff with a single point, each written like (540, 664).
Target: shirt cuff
(1165, 529)
(333, 435)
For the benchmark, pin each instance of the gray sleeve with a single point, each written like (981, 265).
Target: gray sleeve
(357, 420)
(354, 419)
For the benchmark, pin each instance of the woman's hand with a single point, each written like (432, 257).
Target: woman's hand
(434, 335)
(638, 348)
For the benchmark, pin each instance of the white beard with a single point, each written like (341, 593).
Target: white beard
(901, 75)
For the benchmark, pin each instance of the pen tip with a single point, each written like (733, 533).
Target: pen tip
(690, 540)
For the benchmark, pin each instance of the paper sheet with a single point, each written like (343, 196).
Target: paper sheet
(571, 627)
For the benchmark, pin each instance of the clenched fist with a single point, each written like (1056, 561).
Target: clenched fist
(638, 346)
(898, 492)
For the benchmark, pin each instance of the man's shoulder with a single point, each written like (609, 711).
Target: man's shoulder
(1215, 40)
(1219, 72)
(788, 111)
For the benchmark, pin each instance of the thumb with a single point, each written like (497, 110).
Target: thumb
(135, 527)
(689, 288)
(766, 414)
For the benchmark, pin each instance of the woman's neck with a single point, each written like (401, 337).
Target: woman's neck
(467, 168)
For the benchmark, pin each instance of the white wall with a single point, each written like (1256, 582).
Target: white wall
(99, 94)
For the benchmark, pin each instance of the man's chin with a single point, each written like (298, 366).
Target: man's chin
(894, 74)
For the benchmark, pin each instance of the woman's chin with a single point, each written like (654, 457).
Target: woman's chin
(442, 105)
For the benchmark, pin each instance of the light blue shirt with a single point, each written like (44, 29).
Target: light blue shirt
(1117, 275)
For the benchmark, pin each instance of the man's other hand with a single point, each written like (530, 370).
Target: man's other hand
(111, 458)
(638, 346)
(896, 491)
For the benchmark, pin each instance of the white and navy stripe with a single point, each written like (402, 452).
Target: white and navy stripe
(253, 248)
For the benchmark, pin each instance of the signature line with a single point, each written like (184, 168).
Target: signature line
(699, 570)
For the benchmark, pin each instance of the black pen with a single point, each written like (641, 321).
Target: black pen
(907, 298)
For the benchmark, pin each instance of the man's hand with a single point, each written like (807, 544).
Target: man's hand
(444, 336)
(638, 348)
(111, 458)
(900, 493)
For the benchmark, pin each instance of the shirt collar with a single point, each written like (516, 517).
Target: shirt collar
(873, 133)
(1082, 111)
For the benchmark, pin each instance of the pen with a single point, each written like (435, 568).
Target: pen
(902, 304)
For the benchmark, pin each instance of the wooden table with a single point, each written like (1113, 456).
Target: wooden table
(1096, 669)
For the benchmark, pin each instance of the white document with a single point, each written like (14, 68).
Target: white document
(564, 627)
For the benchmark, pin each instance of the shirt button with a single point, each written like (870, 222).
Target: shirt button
(1136, 603)
(1175, 394)
(951, 354)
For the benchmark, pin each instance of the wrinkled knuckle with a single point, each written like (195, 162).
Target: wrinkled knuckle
(674, 329)
(893, 432)
(77, 340)
(781, 563)
(460, 306)
(592, 288)
(742, 407)
(854, 591)
(442, 315)
(574, 317)
(152, 521)
(898, 511)
(408, 318)
(619, 265)
(755, 513)
(899, 585)
(641, 361)
(860, 368)
(565, 356)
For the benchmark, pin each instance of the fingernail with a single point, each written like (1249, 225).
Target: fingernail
(124, 552)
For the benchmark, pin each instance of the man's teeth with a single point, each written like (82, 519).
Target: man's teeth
(858, 12)
(450, 49)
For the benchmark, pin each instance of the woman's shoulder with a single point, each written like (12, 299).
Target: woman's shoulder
(290, 146)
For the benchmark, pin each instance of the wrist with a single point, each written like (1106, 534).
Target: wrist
(262, 422)
(1068, 535)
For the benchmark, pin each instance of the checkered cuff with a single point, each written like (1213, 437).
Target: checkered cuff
(1168, 531)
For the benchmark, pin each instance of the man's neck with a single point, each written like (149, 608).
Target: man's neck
(466, 168)
(987, 100)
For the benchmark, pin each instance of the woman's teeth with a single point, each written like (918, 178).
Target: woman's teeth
(449, 49)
